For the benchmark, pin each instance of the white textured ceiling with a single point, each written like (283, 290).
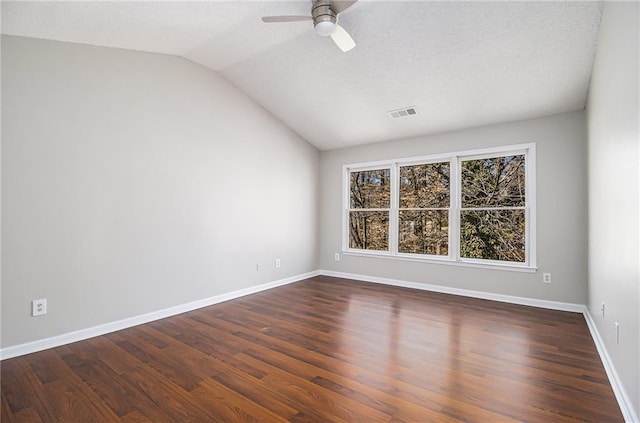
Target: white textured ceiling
(461, 64)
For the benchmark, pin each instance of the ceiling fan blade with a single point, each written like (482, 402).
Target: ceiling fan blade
(342, 39)
(270, 19)
(339, 6)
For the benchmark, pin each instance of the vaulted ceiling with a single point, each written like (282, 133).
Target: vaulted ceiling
(461, 64)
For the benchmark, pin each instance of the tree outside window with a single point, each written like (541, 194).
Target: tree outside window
(369, 204)
(492, 214)
(423, 221)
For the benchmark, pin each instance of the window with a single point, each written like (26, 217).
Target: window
(423, 211)
(369, 205)
(492, 210)
(471, 208)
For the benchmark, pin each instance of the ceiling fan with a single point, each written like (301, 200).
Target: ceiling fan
(324, 14)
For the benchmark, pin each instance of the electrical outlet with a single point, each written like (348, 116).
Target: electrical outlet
(602, 309)
(617, 332)
(337, 256)
(277, 262)
(257, 267)
(38, 307)
(546, 277)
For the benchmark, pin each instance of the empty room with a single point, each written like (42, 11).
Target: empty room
(320, 211)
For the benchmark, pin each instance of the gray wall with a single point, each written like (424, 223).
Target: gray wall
(132, 182)
(561, 210)
(614, 162)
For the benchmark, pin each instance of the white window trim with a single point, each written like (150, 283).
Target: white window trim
(454, 158)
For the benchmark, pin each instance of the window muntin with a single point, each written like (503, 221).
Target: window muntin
(369, 207)
(423, 212)
(421, 223)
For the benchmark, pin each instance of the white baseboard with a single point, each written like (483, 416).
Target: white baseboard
(625, 403)
(79, 335)
(554, 305)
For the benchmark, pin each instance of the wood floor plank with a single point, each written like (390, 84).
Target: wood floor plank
(27, 415)
(324, 349)
(315, 360)
(32, 389)
(237, 406)
(332, 406)
(6, 413)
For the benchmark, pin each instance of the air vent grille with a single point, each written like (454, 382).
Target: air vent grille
(400, 113)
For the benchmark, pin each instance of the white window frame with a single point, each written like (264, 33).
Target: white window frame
(454, 159)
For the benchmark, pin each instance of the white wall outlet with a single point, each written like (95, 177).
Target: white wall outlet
(546, 277)
(277, 262)
(602, 309)
(257, 267)
(617, 332)
(337, 256)
(38, 307)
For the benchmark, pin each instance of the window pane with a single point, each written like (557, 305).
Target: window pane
(370, 189)
(493, 234)
(424, 186)
(424, 232)
(369, 230)
(493, 182)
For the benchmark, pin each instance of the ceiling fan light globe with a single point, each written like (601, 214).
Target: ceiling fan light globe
(325, 28)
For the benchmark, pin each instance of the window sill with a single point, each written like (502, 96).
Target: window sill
(445, 261)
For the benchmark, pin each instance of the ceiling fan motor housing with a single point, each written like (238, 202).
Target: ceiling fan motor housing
(324, 19)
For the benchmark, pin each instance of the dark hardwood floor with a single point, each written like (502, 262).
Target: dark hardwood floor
(324, 350)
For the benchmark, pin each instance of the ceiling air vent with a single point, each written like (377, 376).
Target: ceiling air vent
(400, 113)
